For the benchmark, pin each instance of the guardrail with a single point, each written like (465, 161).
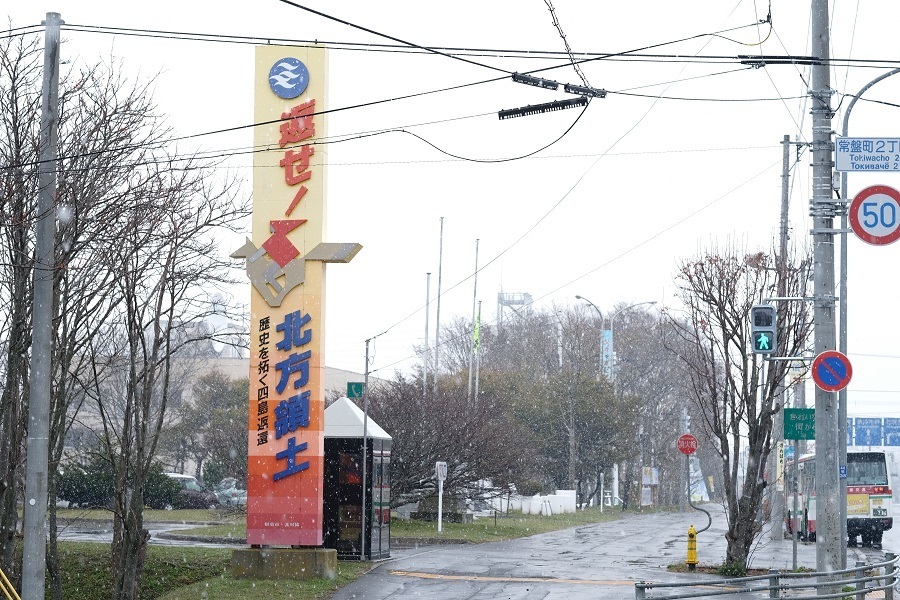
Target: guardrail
(7, 588)
(854, 584)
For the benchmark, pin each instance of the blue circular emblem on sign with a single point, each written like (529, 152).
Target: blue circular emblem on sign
(288, 78)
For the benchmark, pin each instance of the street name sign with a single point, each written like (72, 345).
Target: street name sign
(875, 215)
(856, 155)
(799, 424)
(831, 371)
(687, 444)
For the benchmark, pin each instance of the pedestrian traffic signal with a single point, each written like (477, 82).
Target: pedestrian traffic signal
(764, 329)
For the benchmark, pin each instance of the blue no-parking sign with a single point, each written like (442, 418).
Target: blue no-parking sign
(831, 371)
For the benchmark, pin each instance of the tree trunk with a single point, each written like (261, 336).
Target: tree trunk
(129, 545)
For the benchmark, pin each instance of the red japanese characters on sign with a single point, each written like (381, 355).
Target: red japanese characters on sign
(687, 444)
(299, 126)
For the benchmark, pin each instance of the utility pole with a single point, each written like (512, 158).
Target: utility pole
(478, 353)
(365, 458)
(437, 325)
(427, 313)
(474, 317)
(34, 562)
(776, 466)
(829, 546)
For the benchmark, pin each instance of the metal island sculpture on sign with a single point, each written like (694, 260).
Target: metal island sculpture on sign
(285, 262)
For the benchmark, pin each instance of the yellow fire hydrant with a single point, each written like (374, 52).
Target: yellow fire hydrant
(692, 549)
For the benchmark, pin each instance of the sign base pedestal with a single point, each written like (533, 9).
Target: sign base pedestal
(284, 563)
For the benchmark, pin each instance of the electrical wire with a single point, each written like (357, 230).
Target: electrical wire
(497, 160)
(608, 262)
(560, 201)
(20, 31)
(687, 99)
(392, 38)
(558, 27)
(368, 47)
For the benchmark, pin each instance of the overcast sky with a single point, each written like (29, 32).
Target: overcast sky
(682, 156)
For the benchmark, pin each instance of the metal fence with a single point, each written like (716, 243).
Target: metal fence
(7, 588)
(862, 582)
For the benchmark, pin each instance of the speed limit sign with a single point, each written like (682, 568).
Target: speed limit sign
(875, 215)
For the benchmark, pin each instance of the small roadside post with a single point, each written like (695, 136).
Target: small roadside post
(440, 471)
(799, 424)
(687, 445)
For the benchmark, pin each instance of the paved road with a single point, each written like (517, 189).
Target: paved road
(600, 562)
(101, 532)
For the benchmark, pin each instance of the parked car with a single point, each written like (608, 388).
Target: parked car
(192, 493)
(229, 492)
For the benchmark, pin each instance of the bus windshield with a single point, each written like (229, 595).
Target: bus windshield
(865, 468)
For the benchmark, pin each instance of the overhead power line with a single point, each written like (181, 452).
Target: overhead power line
(368, 47)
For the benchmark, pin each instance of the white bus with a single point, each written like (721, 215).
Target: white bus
(869, 499)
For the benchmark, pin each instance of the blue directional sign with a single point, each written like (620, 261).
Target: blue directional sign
(867, 432)
(891, 431)
(831, 371)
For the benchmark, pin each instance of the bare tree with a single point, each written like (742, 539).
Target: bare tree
(167, 264)
(478, 440)
(735, 408)
(136, 261)
(210, 427)
(651, 374)
(19, 111)
(581, 426)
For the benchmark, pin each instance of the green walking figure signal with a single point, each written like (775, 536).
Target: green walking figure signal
(764, 328)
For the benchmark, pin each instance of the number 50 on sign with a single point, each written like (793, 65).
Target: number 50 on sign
(875, 215)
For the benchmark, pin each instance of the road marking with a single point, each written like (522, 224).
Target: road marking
(439, 576)
(508, 579)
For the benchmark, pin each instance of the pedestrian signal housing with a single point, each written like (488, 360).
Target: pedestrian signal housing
(764, 329)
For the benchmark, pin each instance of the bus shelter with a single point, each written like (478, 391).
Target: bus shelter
(344, 486)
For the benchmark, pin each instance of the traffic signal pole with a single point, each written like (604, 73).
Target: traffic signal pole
(829, 545)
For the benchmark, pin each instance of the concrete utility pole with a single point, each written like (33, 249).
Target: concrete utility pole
(829, 546)
(474, 317)
(34, 561)
(427, 353)
(437, 325)
(775, 466)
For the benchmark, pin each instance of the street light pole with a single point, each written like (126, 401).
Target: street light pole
(612, 336)
(842, 314)
(610, 371)
(602, 321)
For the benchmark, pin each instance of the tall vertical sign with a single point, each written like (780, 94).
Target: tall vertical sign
(285, 263)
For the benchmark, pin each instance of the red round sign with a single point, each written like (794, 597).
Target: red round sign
(687, 444)
(831, 371)
(875, 215)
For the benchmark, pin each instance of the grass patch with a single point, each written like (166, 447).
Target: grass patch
(176, 572)
(155, 516)
(275, 589)
(488, 529)
(715, 570)
(86, 573)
